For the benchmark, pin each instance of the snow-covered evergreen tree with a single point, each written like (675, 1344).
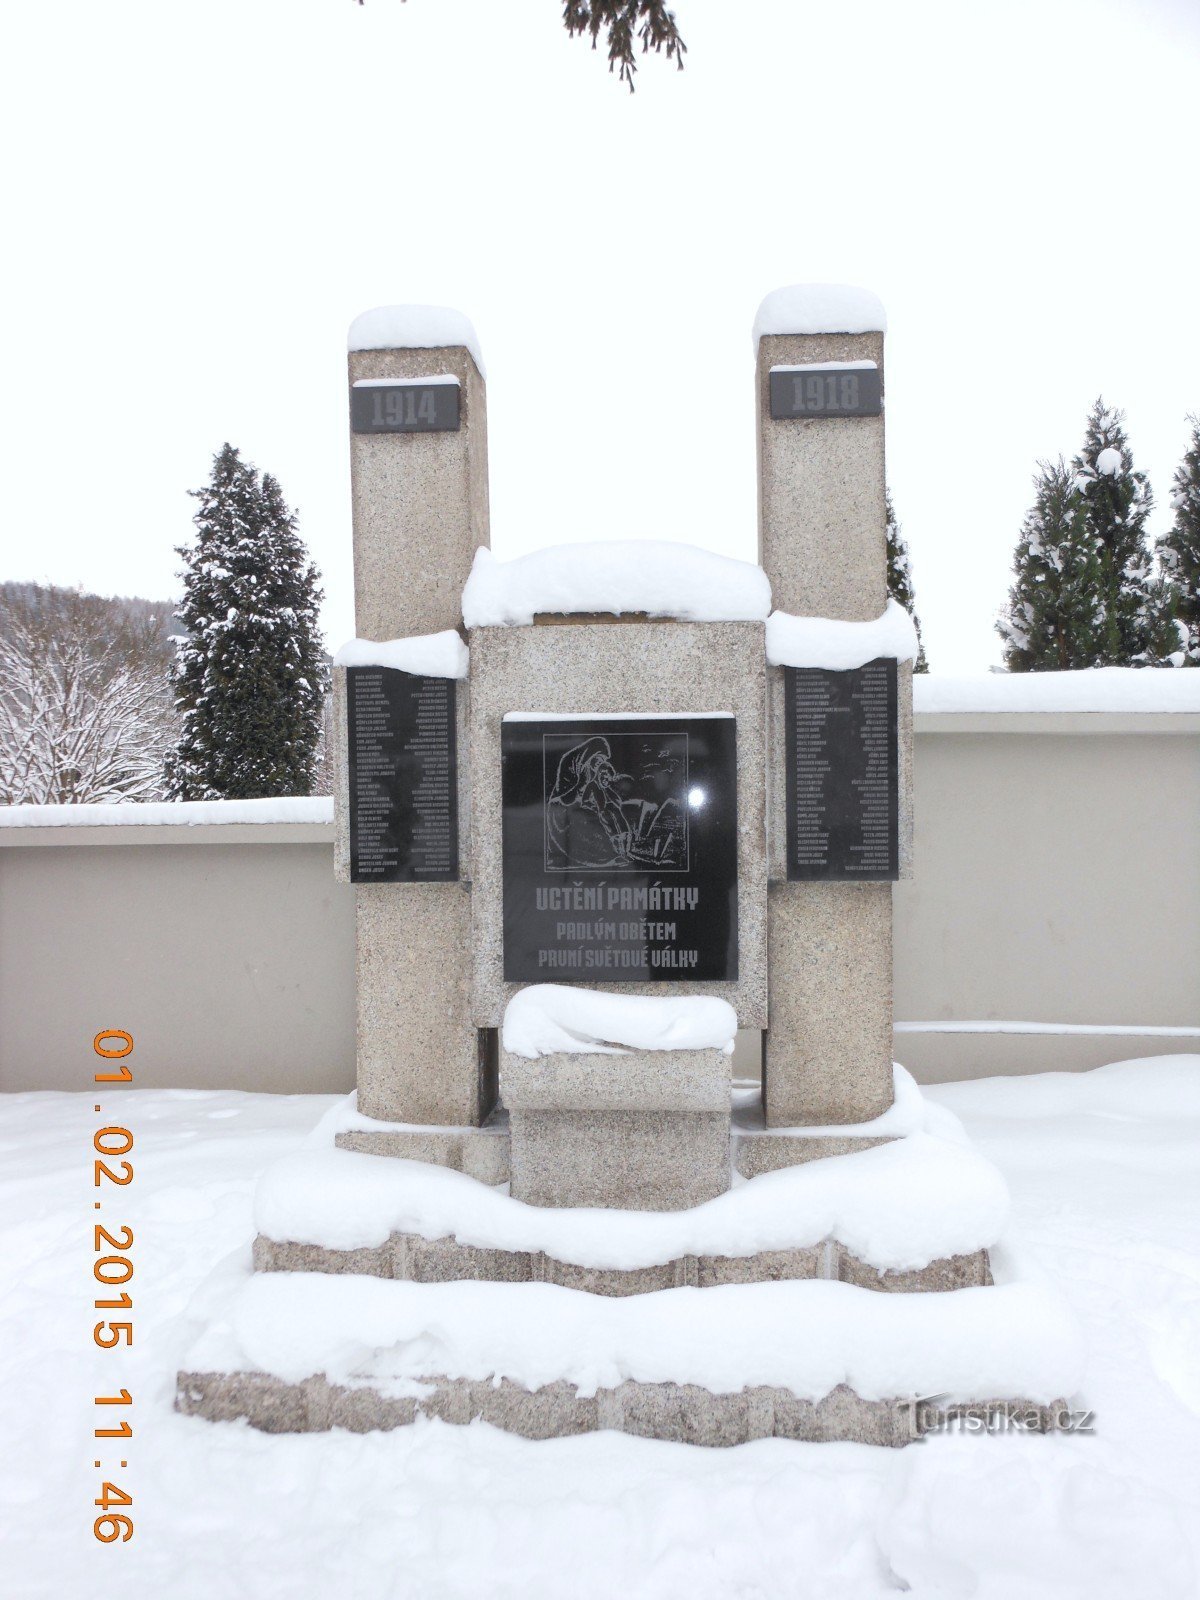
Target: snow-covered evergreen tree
(1134, 625)
(1053, 620)
(1179, 553)
(899, 577)
(250, 675)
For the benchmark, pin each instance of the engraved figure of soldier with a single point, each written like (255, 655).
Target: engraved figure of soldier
(594, 818)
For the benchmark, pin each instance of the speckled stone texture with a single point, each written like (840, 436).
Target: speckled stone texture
(827, 1056)
(420, 1056)
(822, 525)
(630, 1160)
(482, 1153)
(971, 1271)
(683, 1413)
(635, 1080)
(660, 668)
(420, 503)
(757, 1153)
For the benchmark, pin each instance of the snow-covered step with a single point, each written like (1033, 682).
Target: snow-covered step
(412, 1259)
(913, 1213)
(815, 1360)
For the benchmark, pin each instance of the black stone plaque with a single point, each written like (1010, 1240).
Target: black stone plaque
(843, 773)
(408, 405)
(832, 391)
(403, 764)
(620, 849)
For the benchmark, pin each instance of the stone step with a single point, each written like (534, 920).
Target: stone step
(410, 1258)
(683, 1413)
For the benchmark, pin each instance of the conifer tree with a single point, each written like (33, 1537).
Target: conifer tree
(899, 577)
(1052, 622)
(1133, 622)
(250, 676)
(1179, 553)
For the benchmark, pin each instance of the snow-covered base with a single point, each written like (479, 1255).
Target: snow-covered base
(1017, 1340)
(426, 655)
(840, 646)
(1106, 1190)
(619, 576)
(897, 1207)
(560, 1019)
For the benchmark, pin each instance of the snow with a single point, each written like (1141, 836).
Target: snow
(839, 646)
(819, 308)
(414, 328)
(1015, 1340)
(897, 1206)
(1105, 1199)
(1108, 462)
(829, 366)
(425, 655)
(406, 383)
(560, 1019)
(650, 575)
(1111, 689)
(175, 813)
(1101, 1029)
(611, 716)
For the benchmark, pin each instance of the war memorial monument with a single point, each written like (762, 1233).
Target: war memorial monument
(602, 806)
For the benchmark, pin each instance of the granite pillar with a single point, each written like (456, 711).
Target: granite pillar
(420, 508)
(827, 1049)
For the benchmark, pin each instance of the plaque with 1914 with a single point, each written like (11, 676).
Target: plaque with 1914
(403, 771)
(842, 749)
(620, 849)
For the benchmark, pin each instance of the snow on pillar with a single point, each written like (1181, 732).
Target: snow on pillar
(418, 466)
(822, 540)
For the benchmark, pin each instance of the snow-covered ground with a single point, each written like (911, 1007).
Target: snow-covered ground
(1105, 1175)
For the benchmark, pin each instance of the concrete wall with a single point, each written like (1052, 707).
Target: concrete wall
(1057, 880)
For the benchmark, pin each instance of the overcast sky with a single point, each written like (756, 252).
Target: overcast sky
(200, 195)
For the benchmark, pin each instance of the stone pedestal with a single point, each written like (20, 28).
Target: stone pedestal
(645, 1130)
(420, 503)
(827, 1050)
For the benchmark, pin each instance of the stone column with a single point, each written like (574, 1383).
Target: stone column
(827, 1051)
(420, 504)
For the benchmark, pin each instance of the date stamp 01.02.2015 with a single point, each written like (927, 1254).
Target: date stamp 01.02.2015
(111, 1269)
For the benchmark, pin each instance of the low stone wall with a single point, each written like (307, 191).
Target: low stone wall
(1057, 872)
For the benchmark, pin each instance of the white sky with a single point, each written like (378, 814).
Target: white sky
(201, 194)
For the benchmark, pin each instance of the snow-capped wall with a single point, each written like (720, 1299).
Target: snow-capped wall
(1111, 689)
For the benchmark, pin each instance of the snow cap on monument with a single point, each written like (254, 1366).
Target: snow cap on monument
(415, 328)
(819, 308)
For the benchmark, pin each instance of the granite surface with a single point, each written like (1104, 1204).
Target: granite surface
(683, 1413)
(420, 1056)
(822, 538)
(659, 668)
(636, 1080)
(827, 1056)
(630, 1160)
(420, 503)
